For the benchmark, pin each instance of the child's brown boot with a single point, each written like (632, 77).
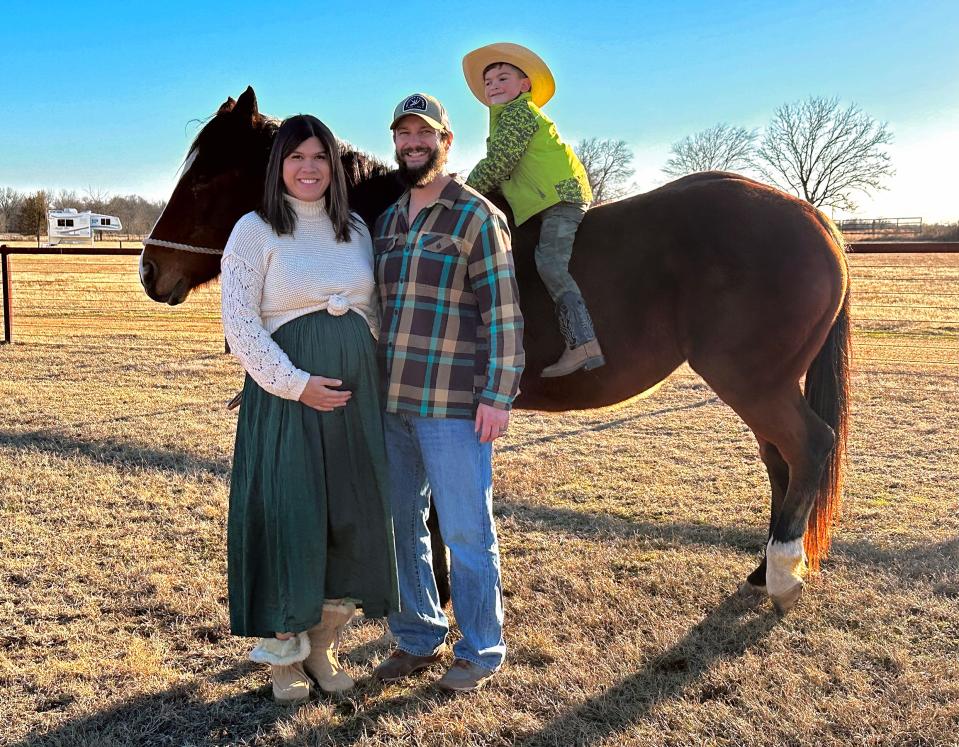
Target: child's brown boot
(582, 347)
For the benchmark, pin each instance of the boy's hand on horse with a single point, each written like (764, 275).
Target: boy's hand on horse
(320, 394)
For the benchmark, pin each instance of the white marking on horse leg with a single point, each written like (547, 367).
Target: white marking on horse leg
(785, 566)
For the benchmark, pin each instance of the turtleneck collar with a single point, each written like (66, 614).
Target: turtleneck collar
(304, 209)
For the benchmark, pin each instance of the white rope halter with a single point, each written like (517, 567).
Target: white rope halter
(181, 247)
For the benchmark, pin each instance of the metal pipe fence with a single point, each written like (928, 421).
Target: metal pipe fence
(905, 306)
(881, 225)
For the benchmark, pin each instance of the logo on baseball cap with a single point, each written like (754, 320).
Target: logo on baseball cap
(426, 108)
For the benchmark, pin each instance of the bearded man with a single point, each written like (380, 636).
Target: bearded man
(451, 351)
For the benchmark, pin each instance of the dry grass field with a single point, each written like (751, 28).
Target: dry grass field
(625, 534)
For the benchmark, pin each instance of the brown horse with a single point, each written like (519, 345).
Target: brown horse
(747, 284)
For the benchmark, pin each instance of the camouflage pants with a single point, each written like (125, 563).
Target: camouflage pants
(556, 247)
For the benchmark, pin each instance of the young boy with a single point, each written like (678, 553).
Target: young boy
(538, 174)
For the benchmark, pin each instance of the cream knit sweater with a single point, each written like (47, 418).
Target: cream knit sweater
(268, 280)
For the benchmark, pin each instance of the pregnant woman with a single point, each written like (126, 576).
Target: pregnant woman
(309, 530)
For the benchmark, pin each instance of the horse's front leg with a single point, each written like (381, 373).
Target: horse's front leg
(441, 565)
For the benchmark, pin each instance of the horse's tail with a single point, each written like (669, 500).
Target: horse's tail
(827, 391)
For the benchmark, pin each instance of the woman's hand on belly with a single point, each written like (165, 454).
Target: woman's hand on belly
(321, 394)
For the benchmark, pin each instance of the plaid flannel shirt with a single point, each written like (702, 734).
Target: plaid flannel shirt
(451, 333)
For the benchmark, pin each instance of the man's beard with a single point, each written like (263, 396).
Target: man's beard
(420, 176)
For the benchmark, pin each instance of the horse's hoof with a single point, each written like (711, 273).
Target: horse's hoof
(786, 601)
(750, 595)
(747, 588)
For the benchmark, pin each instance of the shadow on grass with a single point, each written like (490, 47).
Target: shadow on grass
(595, 526)
(728, 631)
(134, 416)
(605, 426)
(180, 716)
(915, 561)
(172, 717)
(114, 452)
(359, 723)
(922, 560)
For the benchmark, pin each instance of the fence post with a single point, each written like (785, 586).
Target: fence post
(7, 304)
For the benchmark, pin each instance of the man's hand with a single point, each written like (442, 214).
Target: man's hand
(320, 396)
(491, 423)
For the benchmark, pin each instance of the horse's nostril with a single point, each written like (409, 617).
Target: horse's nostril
(147, 272)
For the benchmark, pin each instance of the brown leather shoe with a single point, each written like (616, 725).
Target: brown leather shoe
(400, 664)
(464, 675)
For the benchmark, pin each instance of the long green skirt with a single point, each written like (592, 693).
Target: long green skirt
(309, 513)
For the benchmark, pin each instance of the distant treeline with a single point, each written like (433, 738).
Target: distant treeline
(26, 212)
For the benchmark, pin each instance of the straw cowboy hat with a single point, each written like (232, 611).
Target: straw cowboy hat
(543, 86)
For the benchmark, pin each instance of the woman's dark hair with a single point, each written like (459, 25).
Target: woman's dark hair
(275, 210)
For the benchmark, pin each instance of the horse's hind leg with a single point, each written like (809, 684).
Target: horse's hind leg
(804, 442)
(778, 472)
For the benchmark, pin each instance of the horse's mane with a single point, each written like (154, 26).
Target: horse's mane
(359, 166)
(263, 125)
(370, 183)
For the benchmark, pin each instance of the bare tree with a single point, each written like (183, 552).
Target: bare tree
(607, 164)
(720, 148)
(824, 153)
(20, 213)
(95, 199)
(144, 214)
(66, 198)
(10, 201)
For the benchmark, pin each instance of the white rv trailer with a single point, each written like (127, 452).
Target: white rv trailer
(69, 225)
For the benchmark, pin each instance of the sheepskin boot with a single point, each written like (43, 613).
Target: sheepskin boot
(321, 664)
(291, 686)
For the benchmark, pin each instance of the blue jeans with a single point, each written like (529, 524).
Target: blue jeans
(444, 457)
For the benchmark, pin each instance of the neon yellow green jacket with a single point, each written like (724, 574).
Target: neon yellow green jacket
(527, 160)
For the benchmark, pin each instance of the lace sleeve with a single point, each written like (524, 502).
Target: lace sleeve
(262, 358)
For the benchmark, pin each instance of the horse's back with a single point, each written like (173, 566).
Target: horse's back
(710, 264)
(713, 268)
(710, 222)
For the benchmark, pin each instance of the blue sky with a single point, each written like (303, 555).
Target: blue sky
(107, 94)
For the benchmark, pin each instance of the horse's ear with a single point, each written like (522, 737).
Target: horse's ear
(246, 106)
(226, 106)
